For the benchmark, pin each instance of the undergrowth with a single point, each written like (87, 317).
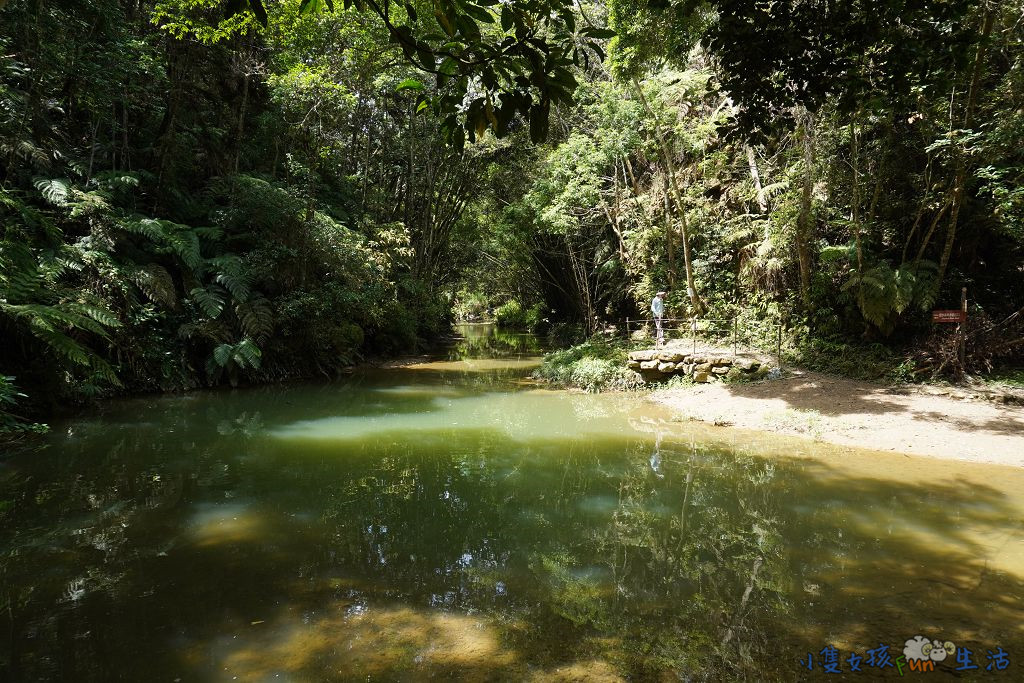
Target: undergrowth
(857, 361)
(595, 365)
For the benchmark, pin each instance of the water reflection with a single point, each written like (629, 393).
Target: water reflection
(416, 524)
(484, 340)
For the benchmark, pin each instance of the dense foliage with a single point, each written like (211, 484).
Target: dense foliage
(842, 169)
(196, 192)
(188, 200)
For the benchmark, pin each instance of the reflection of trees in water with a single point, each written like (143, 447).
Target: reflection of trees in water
(491, 342)
(568, 550)
(73, 543)
(696, 564)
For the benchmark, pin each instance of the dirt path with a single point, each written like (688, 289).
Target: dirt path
(923, 421)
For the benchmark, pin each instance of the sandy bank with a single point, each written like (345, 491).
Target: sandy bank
(922, 421)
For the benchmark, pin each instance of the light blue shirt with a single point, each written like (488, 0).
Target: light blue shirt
(658, 307)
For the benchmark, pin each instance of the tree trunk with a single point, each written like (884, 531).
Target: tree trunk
(931, 230)
(695, 301)
(241, 121)
(920, 211)
(804, 227)
(961, 173)
(670, 240)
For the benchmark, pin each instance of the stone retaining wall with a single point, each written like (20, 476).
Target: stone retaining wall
(658, 364)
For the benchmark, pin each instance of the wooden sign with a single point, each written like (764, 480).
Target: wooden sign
(949, 316)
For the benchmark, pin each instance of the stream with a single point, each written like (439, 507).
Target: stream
(454, 519)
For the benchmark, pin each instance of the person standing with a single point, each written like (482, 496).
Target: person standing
(658, 310)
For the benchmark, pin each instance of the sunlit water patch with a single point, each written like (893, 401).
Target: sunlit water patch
(449, 521)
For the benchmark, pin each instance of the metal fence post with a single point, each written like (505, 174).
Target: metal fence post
(734, 333)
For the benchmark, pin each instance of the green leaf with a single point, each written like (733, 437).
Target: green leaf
(222, 354)
(409, 84)
(310, 6)
(426, 55)
(210, 303)
(449, 67)
(479, 13)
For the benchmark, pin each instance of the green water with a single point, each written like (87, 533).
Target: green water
(451, 520)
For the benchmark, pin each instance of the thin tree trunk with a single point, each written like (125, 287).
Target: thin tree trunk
(804, 220)
(931, 230)
(92, 150)
(691, 287)
(855, 204)
(961, 173)
(241, 121)
(632, 177)
(920, 211)
(670, 240)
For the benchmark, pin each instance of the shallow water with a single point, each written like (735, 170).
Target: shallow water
(451, 520)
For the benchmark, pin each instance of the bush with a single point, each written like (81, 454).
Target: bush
(592, 366)
(511, 315)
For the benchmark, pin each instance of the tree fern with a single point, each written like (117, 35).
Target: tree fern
(884, 294)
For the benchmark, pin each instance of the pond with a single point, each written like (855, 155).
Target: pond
(452, 519)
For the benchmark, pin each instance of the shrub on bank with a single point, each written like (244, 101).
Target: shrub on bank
(510, 315)
(591, 366)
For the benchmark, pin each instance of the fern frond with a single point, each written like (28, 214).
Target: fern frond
(210, 302)
(54, 190)
(19, 285)
(256, 318)
(147, 227)
(185, 244)
(157, 284)
(238, 285)
(100, 314)
(247, 353)
(773, 189)
(222, 354)
(62, 345)
(208, 233)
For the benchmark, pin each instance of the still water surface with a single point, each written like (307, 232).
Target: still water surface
(452, 520)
